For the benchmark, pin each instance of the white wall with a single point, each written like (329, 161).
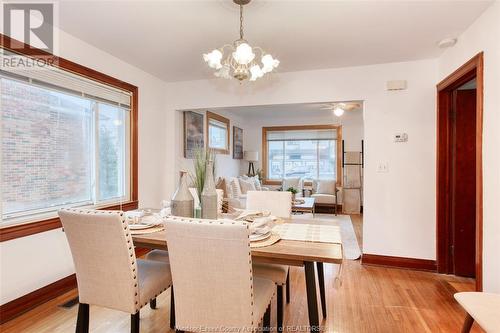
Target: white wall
(32, 262)
(225, 165)
(484, 35)
(399, 217)
(352, 129)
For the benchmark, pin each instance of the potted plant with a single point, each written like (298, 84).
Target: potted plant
(294, 192)
(201, 158)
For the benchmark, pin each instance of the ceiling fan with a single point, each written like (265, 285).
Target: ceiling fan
(339, 108)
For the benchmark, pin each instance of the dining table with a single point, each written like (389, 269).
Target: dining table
(305, 254)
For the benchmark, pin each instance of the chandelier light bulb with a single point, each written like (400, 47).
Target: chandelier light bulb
(243, 54)
(256, 72)
(269, 63)
(213, 59)
(338, 112)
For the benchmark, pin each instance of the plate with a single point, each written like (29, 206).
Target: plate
(140, 226)
(259, 237)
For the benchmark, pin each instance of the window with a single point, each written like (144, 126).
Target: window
(65, 141)
(217, 133)
(305, 151)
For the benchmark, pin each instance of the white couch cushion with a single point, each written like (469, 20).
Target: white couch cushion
(247, 185)
(326, 187)
(323, 198)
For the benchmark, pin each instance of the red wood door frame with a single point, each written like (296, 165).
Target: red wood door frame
(471, 69)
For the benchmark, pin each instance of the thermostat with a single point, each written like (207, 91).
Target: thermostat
(400, 137)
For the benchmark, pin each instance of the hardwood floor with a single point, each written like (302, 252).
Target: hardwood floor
(371, 299)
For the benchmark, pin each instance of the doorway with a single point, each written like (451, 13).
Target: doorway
(459, 172)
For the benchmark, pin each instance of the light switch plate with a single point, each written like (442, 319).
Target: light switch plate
(382, 167)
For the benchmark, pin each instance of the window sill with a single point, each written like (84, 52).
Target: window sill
(31, 228)
(271, 182)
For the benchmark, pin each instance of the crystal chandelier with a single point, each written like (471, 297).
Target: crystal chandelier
(240, 60)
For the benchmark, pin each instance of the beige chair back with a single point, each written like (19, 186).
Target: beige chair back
(279, 203)
(211, 267)
(104, 258)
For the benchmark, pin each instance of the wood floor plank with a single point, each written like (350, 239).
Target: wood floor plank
(371, 299)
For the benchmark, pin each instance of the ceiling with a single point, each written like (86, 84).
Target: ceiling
(167, 38)
(298, 110)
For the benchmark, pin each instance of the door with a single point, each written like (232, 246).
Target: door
(463, 182)
(459, 179)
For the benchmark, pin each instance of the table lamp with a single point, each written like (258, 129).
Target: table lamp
(251, 156)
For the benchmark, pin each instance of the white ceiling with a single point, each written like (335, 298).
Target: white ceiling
(278, 111)
(167, 38)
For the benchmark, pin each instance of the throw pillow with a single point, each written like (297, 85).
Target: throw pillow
(258, 186)
(247, 185)
(326, 187)
(234, 188)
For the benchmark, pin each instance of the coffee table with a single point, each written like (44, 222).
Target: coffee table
(306, 207)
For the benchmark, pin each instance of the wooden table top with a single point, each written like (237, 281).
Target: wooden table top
(286, 252)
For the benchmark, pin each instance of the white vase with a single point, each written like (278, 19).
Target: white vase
(209, 194)
(182, 200)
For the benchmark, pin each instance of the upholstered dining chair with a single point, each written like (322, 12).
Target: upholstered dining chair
(107, 271)
(211, 267)
(278, 203)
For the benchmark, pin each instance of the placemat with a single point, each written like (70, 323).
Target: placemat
(266, 242)
(309, 232)
(147, 231)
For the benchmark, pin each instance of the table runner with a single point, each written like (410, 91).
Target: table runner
(313, 233)
(309, 232)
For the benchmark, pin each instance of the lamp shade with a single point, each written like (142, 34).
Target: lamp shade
(251, 156)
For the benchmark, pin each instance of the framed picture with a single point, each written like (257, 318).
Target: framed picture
(193, 133)
(237, 143)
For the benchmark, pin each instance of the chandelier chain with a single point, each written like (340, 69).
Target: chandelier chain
(241, 21)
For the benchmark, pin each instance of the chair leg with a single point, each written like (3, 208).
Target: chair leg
(134, 322)
(321, 282)
(279, 308)
(172, 308)
(82, 322)
(467, 324)
(266, 322)
(288, 287)
(152, 303)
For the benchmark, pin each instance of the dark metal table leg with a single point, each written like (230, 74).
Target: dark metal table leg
(172, 308)
(321, 281)
(82, 321)
(279, 308)
(312, 301)
(288, 287)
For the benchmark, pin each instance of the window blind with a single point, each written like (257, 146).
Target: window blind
(296, 135)
(51, 76)
(216, 123)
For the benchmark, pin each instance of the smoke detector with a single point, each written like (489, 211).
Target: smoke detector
(447, 42)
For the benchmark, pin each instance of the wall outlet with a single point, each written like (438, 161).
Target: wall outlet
(382, 167)
(400, 137)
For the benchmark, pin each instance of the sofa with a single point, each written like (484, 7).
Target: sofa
(237, 188)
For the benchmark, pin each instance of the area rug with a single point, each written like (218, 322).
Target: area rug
(349, 241)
